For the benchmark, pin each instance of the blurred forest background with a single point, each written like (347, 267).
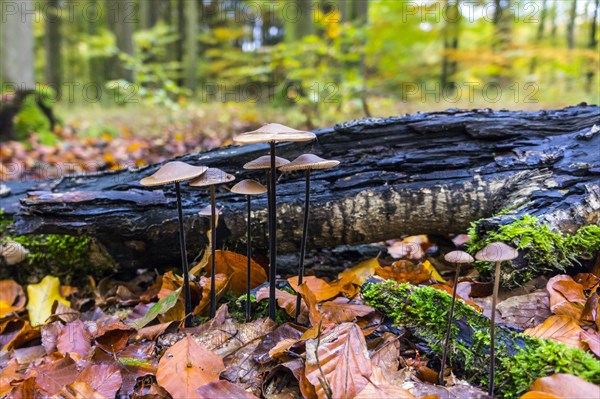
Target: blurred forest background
(128, 82)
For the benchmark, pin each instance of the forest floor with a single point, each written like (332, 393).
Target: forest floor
(111, 338)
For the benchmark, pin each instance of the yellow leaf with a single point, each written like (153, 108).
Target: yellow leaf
(361, 271)
(434, 273)
(41, 298)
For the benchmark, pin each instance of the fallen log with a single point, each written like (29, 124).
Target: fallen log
(520, 359)
(431, 173)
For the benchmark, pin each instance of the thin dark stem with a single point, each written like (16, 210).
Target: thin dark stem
(492, 329)
(249, 255)
(184, 261)
(213, 264)
(303, 242)
(449, 326)
(272, 236)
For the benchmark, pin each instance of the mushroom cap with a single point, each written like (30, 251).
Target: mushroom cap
(264, 162)
(458, 257)
(173, 172)
(249, 187)
(310, 162)
(273, 132)
(212, 177)
(497, 252)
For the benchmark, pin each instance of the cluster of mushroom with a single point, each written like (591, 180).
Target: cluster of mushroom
(496, 252)
(202, 176)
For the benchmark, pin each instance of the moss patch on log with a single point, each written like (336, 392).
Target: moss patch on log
(70, 258)
(521, 359)
(543, 249)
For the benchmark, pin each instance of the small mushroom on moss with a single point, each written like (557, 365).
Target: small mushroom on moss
(13, 253)
(248, 188)
(307, 163)
(496, 252)
(458, 258)
(212, 178)
(174, 173)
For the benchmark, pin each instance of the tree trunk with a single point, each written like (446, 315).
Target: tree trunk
(299, 19)
(16, 51)
(539, 35)
(430, 173)
(592, 45)
(53, 44)
(450, 35)
(191, 44)
(122, 17)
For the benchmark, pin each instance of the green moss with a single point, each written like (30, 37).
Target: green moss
(544, 250)
(237, 308)
(71, 258)
(520, 358)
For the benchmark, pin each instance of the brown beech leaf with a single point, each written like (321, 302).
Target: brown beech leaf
(16, 332)
(187, 366)
(235, 266)
(559, 328)
(113, 338)
(286, 301)
(379, 387)
(287, 331)
(28, 389)
(443, 287)
(80, 389)
(324, 290)
(297, 368)
(51, 377)
(589, 281)
(362, 271)
(404, 271)
(103, 378)
(339, 361)
(12, 297)
(223, 389)
(591, 310)
(566, 386)
(559, 303)
(221, 283)
(73, 338)
(525, 311)
(13, 372)
(592, 338)
(341, 310)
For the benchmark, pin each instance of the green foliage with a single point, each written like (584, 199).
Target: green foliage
(424, 310)
(71, 258)
(544, 250)
(31, 118)
(237, 308)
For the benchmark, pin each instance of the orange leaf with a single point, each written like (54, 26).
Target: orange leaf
(52, 377)
(592, 338)
(559, 328)
(559, 304)
(74, 338)
(380, 387)
(324, 290)
(362, 271)
(187, 366)
(566, 386)
(103, 378)
(404, 271)
(221, 284)
(12, 297)
(341, 310)
(340, 361)
(538, 395)
(224, 389)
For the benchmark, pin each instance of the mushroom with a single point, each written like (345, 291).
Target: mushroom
(456, 257)
(176, 172)
(272, 134)
(495, 252)
(306, 162)
(13, 253)
(212, 178)
(248, 188)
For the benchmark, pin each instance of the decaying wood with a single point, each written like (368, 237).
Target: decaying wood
(431, 173)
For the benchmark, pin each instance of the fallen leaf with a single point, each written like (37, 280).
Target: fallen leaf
(404, 271)
(445, 288)
(51, 377)
(13, 372)
(525, 311)
(12, 298)
(80, 389)
(103, 378)
(16, 332)
(538, 395)
(223, 389)
(28, 389)
(412, 247)
(362, 271)
(591, 310)
(287, 331)
(340, 361)
(341, 310)
(589, 281)
(73, 338)
(324, 290)
(592, 338)
(286, 301)
(41, 297)
(113, 338)
(561, 305)
(187, 366)
(380, 388)
(159, 308)
(298, 369)
(221, 284)
(235, 266)
(566, 386)
(559, 328)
